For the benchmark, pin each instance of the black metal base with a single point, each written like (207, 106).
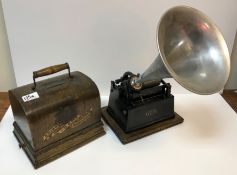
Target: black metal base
(53, 151)
(139, 133)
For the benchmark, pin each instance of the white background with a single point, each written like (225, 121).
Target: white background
(101, 38)
(7, 77)
(104, 38)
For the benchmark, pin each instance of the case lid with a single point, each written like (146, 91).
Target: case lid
(47, 95)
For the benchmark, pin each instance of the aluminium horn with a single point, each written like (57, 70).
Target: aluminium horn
(191, 50)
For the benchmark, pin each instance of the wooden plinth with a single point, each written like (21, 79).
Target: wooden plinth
(135, 135)
(53, 151)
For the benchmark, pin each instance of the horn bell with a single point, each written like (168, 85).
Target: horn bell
(191, 50)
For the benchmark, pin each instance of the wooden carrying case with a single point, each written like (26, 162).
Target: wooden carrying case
(56, 115)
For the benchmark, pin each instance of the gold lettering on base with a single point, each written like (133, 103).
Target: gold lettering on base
(151, 112)
(59, 128)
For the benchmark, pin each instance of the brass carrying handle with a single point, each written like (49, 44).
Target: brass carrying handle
(50, 70)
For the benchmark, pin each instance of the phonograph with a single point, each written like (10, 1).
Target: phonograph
(192, 51)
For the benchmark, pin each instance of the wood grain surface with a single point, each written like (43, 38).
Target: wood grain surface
(4, 104)
(230, 97)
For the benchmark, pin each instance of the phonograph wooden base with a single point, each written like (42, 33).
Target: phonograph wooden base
(53, 151)
(135, 135)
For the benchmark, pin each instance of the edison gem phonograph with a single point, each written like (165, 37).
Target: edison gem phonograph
(192, 51)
